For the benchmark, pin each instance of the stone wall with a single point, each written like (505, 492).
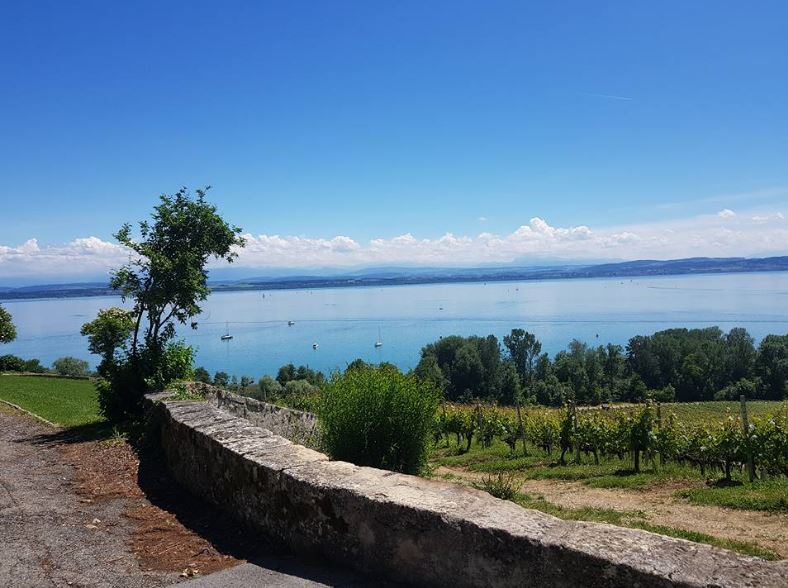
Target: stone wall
(420, 531)
(296, 425)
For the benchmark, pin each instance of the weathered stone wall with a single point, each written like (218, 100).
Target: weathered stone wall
(420, 531)
(296, 425)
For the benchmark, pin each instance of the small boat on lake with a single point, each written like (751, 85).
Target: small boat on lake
(379, 342)
(227, 336)
(315, 346)
(290, 323)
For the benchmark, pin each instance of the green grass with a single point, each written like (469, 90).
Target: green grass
(637, 520)
(765, 495)
(62, 401)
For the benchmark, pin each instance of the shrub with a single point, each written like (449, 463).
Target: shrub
(378, 417)
(124, 383)
(501, 486)
(71, 366)
(34, 366)
(11, 363)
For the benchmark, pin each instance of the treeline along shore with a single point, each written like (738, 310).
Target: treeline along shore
(397, 277)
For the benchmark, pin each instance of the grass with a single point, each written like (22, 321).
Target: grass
(62, 401)
(637, 520)
(764, 495)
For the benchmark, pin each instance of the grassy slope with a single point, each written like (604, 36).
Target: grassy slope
(65, 402)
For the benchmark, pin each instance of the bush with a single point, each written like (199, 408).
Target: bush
(11, 363)
(71, 366)
(503, 486)
(125, 382)
(378, 417)
(34, 366)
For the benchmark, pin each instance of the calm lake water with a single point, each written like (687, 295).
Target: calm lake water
(346, 322)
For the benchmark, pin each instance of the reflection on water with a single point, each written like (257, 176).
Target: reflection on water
(345, 322)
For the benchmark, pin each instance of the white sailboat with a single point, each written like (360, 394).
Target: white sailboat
(227, 336)
(379, 342)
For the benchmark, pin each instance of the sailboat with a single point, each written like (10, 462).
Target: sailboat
(227, 336)
(379, 342)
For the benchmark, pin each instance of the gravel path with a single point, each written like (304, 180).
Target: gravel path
(48, 535)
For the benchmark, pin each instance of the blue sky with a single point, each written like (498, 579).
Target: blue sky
(370, 122)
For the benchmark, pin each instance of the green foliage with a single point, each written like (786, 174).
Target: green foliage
(108, 335)
(765, 495)
(7, 329)
(676, 364)
(221, 379)
(167, 281)
(500, 485)
(11, 363)
(772, 366)
(378, 417)
(705, 441)
(71, 366)
(33, 366)
(202, 375)
(290, 372)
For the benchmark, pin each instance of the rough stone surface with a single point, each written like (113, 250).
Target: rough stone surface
(296, 425)
(424, 532)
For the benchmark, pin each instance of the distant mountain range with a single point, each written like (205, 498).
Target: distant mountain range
(399, 276)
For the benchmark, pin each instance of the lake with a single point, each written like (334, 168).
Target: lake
(346, 322)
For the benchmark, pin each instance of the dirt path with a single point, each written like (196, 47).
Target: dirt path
(659, 507)
(48, 535)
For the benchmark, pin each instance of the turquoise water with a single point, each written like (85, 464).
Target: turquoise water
(345, 322)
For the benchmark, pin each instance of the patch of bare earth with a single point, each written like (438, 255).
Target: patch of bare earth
(659, 506)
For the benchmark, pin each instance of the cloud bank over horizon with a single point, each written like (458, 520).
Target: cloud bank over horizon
(726, 233)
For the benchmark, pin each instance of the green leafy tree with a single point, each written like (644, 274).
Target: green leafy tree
(269, 388)
(166, 280)
(108, 335)
(202, 375)
(71, 366)
(7, 329)
(772, 366)
(221, 379)
(524, 349)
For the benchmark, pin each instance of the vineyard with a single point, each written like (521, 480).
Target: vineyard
(710, 437)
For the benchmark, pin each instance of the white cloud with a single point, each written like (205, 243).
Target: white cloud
(483, 219)
(751, 233)
(726, 213)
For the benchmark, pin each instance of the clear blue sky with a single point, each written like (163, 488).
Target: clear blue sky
(376, 119)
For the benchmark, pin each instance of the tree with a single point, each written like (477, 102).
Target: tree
(221, 379)
(524, 348)
(202, 375)
(71, 366)
(270, 389)
(471, 366)
(7, 329)
(772, 366)
(107, 336)
(166, 280)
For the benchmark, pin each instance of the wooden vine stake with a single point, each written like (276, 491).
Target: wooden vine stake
(745, 425)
